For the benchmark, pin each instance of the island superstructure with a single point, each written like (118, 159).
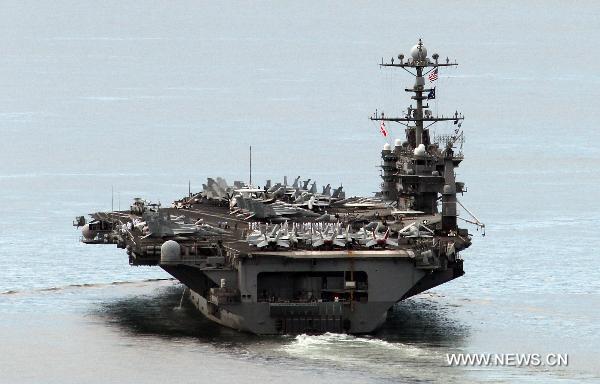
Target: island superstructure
(289, 258)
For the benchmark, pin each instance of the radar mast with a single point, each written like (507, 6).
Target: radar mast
(419, 65)
(418, 174)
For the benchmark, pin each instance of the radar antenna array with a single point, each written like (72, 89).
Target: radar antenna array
(418, 65)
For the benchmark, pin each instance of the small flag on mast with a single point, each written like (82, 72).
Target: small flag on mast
(382, 129)
(433, 76)
(431, 94)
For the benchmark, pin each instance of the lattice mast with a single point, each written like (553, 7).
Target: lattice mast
(416, 172)
(422, 66)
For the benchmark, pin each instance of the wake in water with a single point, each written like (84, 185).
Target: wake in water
(380, 358)
(328, 341)
(75, 286)
(418, 331)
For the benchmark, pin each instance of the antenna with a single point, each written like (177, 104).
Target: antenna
(190, 188)
(250, 165)
(420, 116)
(112, 198)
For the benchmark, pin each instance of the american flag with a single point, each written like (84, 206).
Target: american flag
(382, 129)
(433, 75)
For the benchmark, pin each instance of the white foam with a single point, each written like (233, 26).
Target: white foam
(314, 344)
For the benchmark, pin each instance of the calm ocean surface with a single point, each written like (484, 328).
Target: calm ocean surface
(143, 98)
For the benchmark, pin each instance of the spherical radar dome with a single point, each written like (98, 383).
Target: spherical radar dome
(418, 54)
(170, 251)
(420, 150)
(88, 233)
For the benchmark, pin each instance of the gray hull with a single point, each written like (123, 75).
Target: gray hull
(268, 319)
(245, 307)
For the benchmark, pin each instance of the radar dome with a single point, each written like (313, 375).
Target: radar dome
(418, 52)
(387, 147)
(420, 150)
(170, 251)
(397, 143)
(87, 232)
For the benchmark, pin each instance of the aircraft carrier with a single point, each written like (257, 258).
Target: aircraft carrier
(292, 258)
